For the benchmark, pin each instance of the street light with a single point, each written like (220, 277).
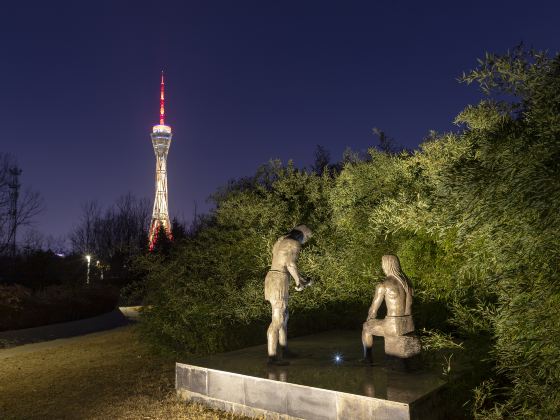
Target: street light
(88, 258)
(100, 268)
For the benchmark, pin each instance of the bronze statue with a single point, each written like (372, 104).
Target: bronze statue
(276, 286)
(398, 325)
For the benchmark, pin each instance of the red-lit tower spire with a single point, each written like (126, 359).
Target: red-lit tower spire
(161, 140)
(162, 102)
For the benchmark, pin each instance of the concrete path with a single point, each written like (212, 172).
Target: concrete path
(33, 347)
(63, 331)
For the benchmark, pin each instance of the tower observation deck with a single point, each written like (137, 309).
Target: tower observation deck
(161, 140)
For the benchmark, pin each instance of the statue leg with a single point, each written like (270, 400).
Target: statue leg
(283, 333)
(283, 337)
(367, 343)
(273, 333)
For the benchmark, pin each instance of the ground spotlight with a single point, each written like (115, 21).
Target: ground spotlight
(338, 358)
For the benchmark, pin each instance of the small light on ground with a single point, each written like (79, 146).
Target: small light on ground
(338, 358)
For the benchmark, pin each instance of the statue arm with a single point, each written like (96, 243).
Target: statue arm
(292, 255)
(377, 300)
(292, 269)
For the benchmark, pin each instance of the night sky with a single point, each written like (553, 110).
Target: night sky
(246, 81)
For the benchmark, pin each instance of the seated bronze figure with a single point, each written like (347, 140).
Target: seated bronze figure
(397, 327)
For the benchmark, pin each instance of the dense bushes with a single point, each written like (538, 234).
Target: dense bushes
(40, 287)
(39, 269)
(21, 307)
(473, 216)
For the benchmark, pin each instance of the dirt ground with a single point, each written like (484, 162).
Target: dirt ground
(107, 375)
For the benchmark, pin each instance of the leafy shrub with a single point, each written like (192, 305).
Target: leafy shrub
(12, 297)
(474, 216)
(20, 307)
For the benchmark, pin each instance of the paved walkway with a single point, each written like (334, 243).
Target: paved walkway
(53, 335)
(33, 347)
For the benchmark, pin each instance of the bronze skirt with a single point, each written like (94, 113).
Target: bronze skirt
(276, 286)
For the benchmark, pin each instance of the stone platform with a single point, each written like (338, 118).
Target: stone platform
(325, 381)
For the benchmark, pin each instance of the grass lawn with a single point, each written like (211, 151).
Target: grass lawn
(106, 376)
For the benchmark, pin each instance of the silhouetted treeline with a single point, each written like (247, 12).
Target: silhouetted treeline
(120, 230)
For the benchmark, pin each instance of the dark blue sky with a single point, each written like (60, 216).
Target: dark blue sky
(246, 81)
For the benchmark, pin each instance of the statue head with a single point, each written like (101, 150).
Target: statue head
(392, 267)
(300, 233)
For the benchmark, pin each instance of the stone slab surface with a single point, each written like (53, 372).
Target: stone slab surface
(312, 386)
(402, 346)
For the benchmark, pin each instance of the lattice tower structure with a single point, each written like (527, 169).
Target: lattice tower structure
(161, 140)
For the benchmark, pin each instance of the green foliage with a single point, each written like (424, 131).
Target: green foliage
(40, 269)
(21, 307)
(473, 215)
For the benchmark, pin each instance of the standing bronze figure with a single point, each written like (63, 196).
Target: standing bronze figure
(276, 289)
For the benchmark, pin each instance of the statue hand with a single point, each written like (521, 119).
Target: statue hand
(306, 283)
(303, 284)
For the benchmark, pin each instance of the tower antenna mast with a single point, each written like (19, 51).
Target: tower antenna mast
(162, 101)
(14, 187)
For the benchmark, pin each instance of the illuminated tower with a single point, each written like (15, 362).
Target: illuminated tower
(161, 139)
